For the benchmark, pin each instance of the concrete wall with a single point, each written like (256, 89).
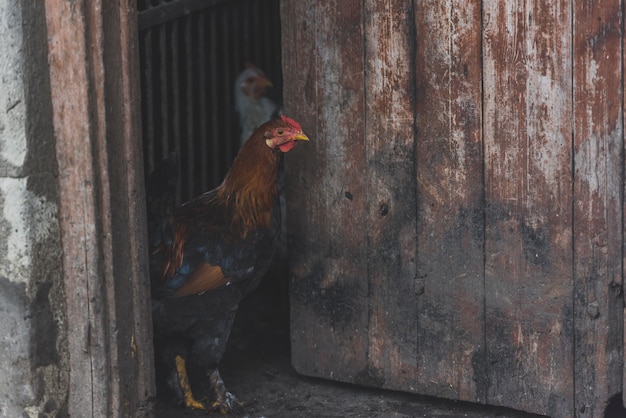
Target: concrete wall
(33, 353)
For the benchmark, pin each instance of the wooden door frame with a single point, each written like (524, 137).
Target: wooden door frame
(93, 62)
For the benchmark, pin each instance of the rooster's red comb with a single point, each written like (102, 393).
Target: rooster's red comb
(292, 123)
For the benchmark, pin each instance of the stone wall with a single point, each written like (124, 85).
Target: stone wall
(33, 348)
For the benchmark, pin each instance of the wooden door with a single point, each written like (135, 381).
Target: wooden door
(456, 222)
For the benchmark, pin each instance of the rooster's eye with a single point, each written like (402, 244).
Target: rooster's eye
(280, 132)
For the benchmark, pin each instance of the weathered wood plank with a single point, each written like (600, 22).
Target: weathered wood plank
(528, 243)
(129, 281)
(598, 230)
(450, 252)
(519, 237)
(323, 72)
(101, 205)
(77, 217)
(389, 33)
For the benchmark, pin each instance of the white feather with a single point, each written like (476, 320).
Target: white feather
(253, 112)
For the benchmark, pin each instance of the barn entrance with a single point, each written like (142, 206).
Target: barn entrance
(460, 229)
(191, 53)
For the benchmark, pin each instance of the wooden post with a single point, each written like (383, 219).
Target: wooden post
(94, 86)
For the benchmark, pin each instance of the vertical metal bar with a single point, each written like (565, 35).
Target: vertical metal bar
(276, 46)
(255, 21)
(247, 31)
(202, 95)
(228, 68)
(214, 94)
(258, 43)
(193, 181)
(175, 111)
(269, 36)
(163, 97)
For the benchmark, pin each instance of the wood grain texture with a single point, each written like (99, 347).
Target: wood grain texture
(598, 206)
(450, 231)
(477, 214)
(128, 225)
(391, 194)
(77, 216)
(527, 108)
(323, 55)
(101, 212)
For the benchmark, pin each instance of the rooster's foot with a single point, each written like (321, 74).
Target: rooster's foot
(183, 381)
(225, 402)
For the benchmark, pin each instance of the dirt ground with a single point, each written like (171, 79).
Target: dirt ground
(257, 369)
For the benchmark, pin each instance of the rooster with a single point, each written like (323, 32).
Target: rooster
(209, 254)
(253, 107)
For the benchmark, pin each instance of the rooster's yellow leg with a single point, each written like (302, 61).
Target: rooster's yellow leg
(183, 379)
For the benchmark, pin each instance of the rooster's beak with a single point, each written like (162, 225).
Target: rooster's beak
(300, 137)
(264, 82)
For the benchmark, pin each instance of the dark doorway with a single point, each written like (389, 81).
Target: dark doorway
(191, 52)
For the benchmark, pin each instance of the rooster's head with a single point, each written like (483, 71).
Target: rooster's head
(284, 133)
(252, 82)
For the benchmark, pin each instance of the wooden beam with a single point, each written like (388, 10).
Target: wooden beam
(167, 12)
(93, 73)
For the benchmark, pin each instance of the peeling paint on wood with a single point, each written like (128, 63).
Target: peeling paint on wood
(328, 260)
(449, 180)
(391, 198)
(467, 242)
(598, 205)
(527, 97)
(77, 219)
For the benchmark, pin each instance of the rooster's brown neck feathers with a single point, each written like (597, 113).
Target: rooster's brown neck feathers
(250, 187)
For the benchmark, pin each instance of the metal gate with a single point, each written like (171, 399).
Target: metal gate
(191, 51)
